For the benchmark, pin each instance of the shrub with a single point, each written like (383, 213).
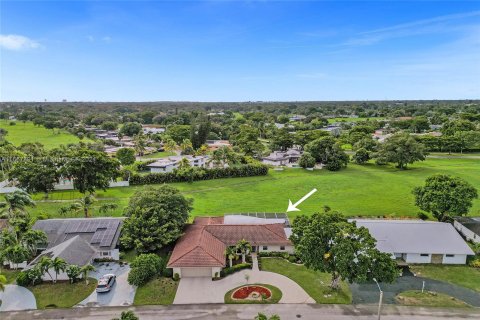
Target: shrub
(23, 279)
(475, 263)
(226, 271)
(292, 259)
(247, 170)
(422, 216)
(144, 268)
(176, 277)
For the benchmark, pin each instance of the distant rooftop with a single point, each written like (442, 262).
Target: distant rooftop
(471, 223)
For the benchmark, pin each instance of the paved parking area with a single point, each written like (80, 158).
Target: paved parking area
(204, 290)
(368, 292)
(122, 294)
(17, 298)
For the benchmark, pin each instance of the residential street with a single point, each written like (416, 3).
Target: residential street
(248, 312)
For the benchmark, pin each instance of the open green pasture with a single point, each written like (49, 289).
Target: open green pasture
(367, 190)
(27, 132)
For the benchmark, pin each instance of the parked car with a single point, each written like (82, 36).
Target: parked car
(106, 282)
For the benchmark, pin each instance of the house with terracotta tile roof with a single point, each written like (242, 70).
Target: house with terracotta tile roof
(200, 251)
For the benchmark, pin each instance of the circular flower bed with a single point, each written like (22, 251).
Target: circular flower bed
(253, 292)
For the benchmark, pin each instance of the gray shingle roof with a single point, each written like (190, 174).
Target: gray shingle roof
(101, 233)
(471, 223)
(415, 236)
(74, 251)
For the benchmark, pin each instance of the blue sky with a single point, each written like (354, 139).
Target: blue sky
(239, 50)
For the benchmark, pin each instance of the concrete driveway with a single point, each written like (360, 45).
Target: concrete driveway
(122, 294)
(204, 290)
(17, 298)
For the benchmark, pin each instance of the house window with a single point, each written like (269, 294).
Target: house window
(450, 255)
(282, 247)
(264, 248)
(105, 253)
(424, 255)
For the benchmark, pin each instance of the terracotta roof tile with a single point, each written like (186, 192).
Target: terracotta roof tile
(204, 243)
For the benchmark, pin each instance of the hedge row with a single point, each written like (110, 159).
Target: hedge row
(248, 170)
(226, 271)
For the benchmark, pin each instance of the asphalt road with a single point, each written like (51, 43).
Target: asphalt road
(248, 312)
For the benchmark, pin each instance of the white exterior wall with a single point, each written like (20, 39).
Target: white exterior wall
(270, 248)
(275, 163)
(177, 270)
(215, 270)
(60, 277)
(162, 170)
(108, 254)
(416, 258)
(469, 234)
(456, 259)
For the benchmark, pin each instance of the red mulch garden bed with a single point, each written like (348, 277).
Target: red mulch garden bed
(245, 292)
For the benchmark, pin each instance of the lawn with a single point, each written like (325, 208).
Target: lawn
(160, 154)
(275, 298)
(156, 291)
(27, 132)
(465, 276)
(62, 294)
(367, 190)
(315, 283)
(11, 275)
(429, 299)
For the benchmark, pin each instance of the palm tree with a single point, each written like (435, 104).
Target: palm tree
(85, 270)
(244, 247)
(186, 146)
(184, 164)
(261, 316)
(15, 204)
(73, 271)
(58, 265)
(202, 150)
(3, 282)
(169, 145)
(140, 144)
(230, 253)
(80, 205)
(16, 254)
(32, 238)
(44, 265)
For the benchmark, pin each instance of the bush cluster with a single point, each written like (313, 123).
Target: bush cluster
(226, 271)
(144, 268)
(247, 170)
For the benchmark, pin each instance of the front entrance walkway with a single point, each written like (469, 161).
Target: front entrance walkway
(204, 290)
(17, 298)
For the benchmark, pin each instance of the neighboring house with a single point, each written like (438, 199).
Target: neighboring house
(297, 117)
(102, 234)
(67, 184)
(469, 227)
(283, 158)
(200, 251)
(152, 130)
(216, 144)
(170, 163)
(416, 241)
(75, 251)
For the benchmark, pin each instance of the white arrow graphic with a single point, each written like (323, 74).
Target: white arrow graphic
(293, 207)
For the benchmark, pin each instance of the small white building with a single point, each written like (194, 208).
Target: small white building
(152, 130)
(469, 227)
(171, 163)
(417, 241)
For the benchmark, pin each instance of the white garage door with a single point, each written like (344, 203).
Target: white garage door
(196, 272)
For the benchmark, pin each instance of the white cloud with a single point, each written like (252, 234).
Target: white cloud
(17, 42)
(107, 39)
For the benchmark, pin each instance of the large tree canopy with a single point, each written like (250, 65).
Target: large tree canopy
(401, 149)
(445, 196)
(328, 242)
(328, 152)
(155, 218)
(36, 174)
(131, 129)
(90, 169)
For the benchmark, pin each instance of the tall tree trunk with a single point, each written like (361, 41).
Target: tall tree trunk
(85, 211)
(335, 284)
(230, 262)
(243, 257)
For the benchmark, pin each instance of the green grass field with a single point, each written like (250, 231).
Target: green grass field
(429, 299)
(62, 294)
(161, 154)
(464, 276)
(367, 190)
(156, 291)
(27, 132)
